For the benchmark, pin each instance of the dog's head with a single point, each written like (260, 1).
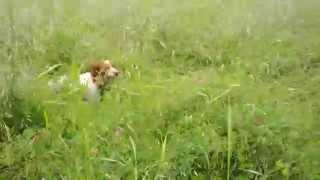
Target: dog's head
(103, 71)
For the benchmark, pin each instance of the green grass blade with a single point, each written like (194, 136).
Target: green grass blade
(229, 136)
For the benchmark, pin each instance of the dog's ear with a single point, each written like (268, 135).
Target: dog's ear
(95, 69)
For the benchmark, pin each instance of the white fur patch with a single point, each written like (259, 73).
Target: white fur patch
(86, 80)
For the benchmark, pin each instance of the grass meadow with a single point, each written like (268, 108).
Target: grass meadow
(209, 89)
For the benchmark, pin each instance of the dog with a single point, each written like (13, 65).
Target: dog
(94, 80)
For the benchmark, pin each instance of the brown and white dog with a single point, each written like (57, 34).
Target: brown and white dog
(94, 81)
(99, 75)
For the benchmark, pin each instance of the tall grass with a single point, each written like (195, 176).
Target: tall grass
(209, 89)
(229, 136)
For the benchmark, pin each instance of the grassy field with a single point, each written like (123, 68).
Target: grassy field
(209, 89)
